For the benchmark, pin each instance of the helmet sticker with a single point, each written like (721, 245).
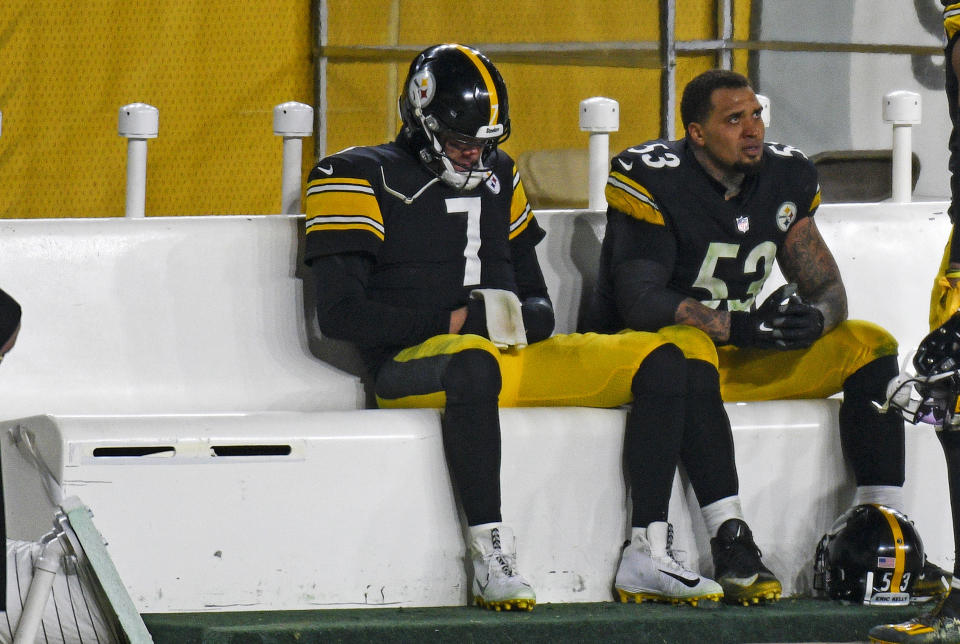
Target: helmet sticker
(421, 89)
(786, 215)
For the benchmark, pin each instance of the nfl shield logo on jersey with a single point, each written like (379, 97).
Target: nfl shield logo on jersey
(493, 184)
(743, 224)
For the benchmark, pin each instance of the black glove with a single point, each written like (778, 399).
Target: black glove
(537, 318)
(784, 321)
(476, 322)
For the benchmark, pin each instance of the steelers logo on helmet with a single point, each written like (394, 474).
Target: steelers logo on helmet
(871, 554)
(455, 101)
(421, 88)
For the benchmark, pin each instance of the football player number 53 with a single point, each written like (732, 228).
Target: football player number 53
(471, 207)
(706, 279)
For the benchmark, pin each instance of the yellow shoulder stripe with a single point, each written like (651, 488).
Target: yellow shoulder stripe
(816, 201)
(342, 204)
(951, 19)
(629, 197)
(520, 211)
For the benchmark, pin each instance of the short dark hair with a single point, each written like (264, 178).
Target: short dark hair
(695, 104)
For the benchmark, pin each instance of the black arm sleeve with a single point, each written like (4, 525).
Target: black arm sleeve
(642, 262)
(9, 317)
(345, 312)
(536, 307)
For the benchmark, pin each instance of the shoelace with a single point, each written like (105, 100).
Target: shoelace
(675, 555)
(743, 551)
(506, 562)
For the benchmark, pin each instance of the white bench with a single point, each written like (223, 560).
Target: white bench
(173, 378)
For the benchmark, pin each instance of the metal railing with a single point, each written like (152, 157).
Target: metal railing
(662, 54)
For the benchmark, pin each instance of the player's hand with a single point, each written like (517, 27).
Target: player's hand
(475, 320)
(783, 321)
(799, 326)
(457, 319)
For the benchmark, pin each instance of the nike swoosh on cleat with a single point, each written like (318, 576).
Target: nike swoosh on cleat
(741, 581)
(689, 583)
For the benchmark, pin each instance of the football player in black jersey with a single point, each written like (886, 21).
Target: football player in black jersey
(9, 323)
(424, 255)
(942, 624)
(10, 314)
(693, 228)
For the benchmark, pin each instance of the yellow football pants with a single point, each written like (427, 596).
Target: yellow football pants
(944, 301)
(572, 370)
(764, 374)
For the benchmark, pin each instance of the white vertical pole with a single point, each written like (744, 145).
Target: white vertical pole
(902, 109)
(293, 121)
(599, 116)
(137, 122)
(901, 173)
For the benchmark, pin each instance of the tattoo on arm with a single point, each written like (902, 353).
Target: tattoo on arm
(805, 259)
(716, 324)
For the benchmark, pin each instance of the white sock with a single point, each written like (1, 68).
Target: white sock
(719, 511)
(888, 495)
(656, 535)
(482, 530)
(635, 533)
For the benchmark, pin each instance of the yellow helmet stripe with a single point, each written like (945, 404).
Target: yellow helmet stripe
(488, 81)
(899, 547)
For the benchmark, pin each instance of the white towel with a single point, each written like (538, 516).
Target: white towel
(504, 318)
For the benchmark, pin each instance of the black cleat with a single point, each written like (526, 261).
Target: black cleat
(940, 626)
(738, 569)
(932, 584)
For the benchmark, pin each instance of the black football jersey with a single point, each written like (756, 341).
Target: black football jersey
(951, 28)
(432, 244)
(724, 248)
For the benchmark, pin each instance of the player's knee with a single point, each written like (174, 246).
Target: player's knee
(702, 378)
(662, 372)
(695, 344)
(870, 381)
(472, 375)
(877, 341)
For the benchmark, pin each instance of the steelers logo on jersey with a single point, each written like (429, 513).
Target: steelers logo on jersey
(421, 89)
(786, 215)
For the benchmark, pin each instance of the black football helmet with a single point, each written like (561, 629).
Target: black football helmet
(453, 93)
(929, 392)
(872, 554)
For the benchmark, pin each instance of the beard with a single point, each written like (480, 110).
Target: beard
(749, 168)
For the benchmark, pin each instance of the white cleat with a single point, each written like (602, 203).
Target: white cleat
(649, 571)
(496, 583)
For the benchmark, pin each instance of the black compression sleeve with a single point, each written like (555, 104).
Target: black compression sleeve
(643, 299)
(537, 309)
(344, 311)
(642, 262)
